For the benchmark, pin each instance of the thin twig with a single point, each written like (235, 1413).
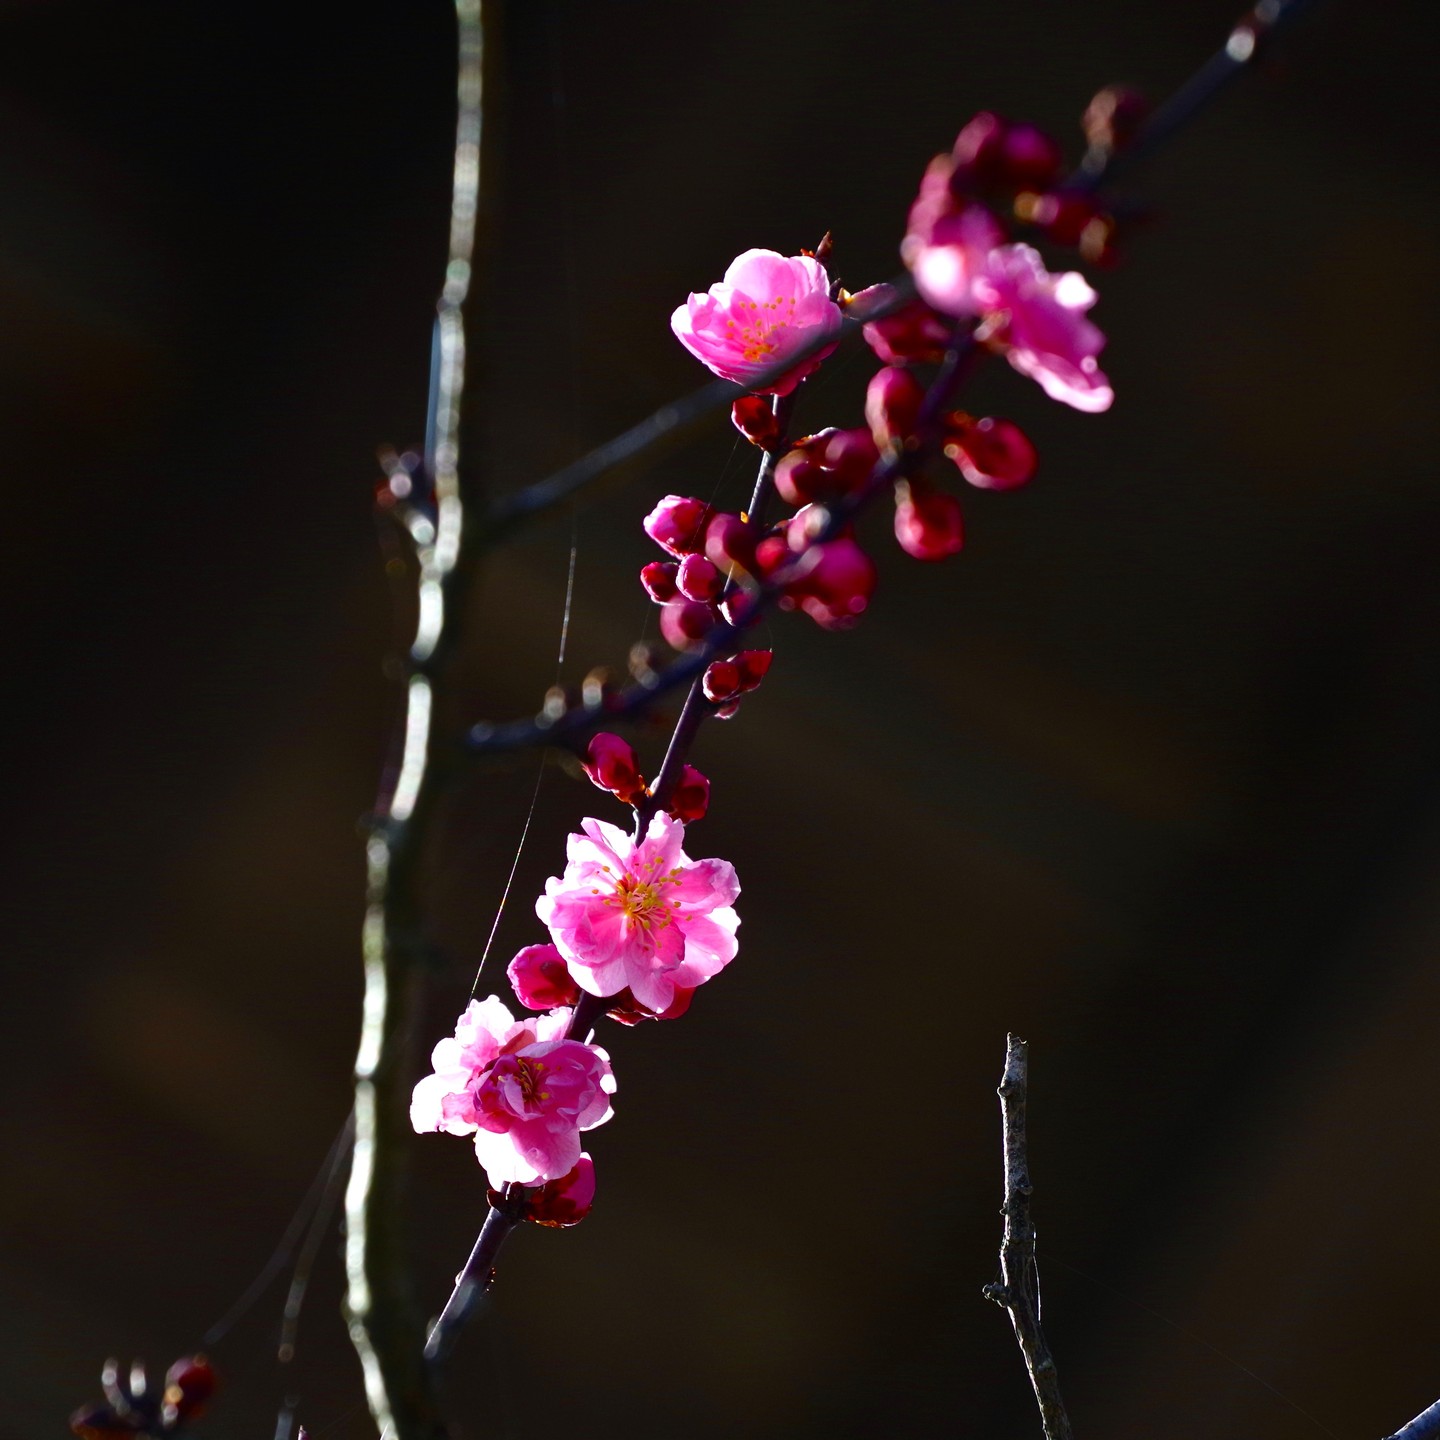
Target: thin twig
(1019, 1292)
(385, 1322)
(1425, 1426)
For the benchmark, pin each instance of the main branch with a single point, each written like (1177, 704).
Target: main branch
(1019, 1292)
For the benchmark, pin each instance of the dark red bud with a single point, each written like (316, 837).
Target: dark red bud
(979, 152)
(755, 420)
(914, 333)
(698, 579)
(658, 578)
(611, 764)
(852, 455)
(1029, 157)
(992, 454)
(770, 554)
(685, 622)
(678, 524)
(720, 681)
(752, 665)
(892, 404)
(560, 1203)
(928, 523)
(799, 479)
(189, 1384)
(691, 799)
(1062, 215)
(736, 606)
(730, 541)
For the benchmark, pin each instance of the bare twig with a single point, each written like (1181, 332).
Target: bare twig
(1019, 1291)
(1425, 1426)
(385, 1323)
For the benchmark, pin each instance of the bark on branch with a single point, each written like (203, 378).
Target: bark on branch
(1019, 1291)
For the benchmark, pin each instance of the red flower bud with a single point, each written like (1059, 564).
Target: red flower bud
(736, 606)
(799, 478)
(928, 524)
(541, 980)
(835, 583)
(691, 799)
(686, 622)
(627, 1010)
(892, 404)
(698, 579)
(752, 665)
(979, 152)
(658, 578)
(610, 762)
(755, 420)
(991, 454)
(852, 455)
(1029, 157)
(730, 541)
(913, 333)
(560, 1203)
(1062, 215)
(772, 552)
(720, 681)
(678, 524)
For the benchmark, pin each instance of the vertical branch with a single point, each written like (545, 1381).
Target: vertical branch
(385, 1323)
(1019, 1291)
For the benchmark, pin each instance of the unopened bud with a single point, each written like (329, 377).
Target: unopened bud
(698, 579)
(992, 454)
(658, 578)
(691, 798)
(540, 978)
(754, 418)
(730, 541)
(928, 523)
(1029, 157)
(611, 764)
(685, 622)
(892, 404)
(720, 681)
(678, 524)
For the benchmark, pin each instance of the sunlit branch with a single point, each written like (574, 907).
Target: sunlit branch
(1425, 1426)
(385, 1323)
(1019, 1292)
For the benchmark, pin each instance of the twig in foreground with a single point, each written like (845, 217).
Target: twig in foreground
(1019, 1293)
(1425, 1426)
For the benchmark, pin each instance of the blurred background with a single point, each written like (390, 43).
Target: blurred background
(1150, 774)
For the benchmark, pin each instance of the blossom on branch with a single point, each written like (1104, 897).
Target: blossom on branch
(522, 1090)
(766, 309)
(641, 915)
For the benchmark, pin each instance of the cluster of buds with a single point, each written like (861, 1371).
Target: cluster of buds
(132, 1408)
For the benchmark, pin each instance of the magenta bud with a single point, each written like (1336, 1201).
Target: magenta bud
(541, 980)
(835, 583)
(1029, 157)
(799, 478)
(928, 523)
(720, 681)
(915, 333)
(852, 455)
(658, 578)
(698, 579)
(992, 454)
(730, 541)
(754, 418)
(771, 553)
(752, 665)
(685, 622)
(611, 764)
(979, 151)
(691, 799)
(678, 524)
(563, 1202)
(736, 607)
(892, 404)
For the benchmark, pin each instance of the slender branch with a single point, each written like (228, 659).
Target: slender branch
(385, 1323)
(1425, 1426)
(1020, 1291)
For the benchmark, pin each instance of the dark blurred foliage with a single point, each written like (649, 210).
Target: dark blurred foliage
(1150, 773)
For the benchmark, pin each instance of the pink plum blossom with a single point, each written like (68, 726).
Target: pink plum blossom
(947, 246)
(641, 915)
(767, 308)
(1039, 320)
(519, 1087)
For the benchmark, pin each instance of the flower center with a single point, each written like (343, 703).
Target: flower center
(758, 322)
(643, 902)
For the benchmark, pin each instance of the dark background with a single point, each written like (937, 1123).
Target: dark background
(1150, 774)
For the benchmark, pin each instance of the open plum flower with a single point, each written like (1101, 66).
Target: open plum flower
(641, 915)
(766, 309)
(519, 1087)
(1039, 320)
